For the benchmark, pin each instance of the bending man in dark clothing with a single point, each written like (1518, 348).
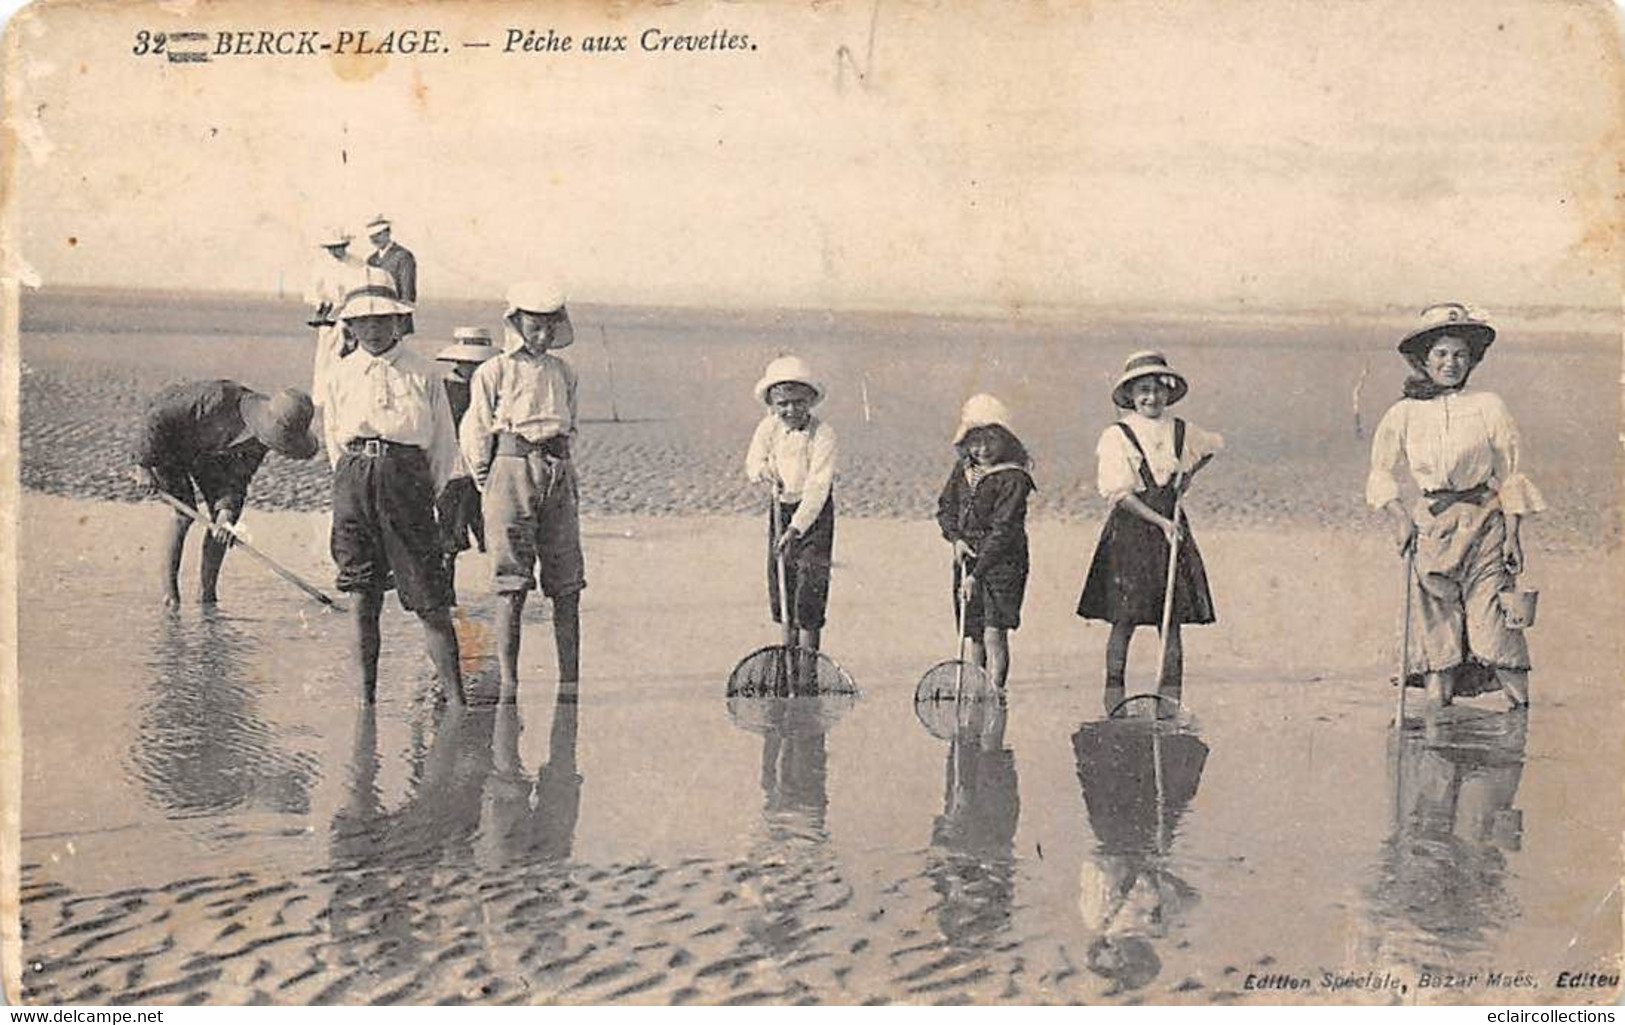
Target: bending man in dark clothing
(214, 435)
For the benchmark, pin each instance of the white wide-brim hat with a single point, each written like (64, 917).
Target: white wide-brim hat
(982, 411)
(374, 297)
(1455, 319)
(333, 236)
(1148, 364)
(470, 345)
(536, 297)
(789, 370)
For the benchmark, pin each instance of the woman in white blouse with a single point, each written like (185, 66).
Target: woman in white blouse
(1462, 449)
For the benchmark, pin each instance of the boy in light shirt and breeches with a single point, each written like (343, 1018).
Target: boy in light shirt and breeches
(794, 451)
(389, 435)
(516, 440)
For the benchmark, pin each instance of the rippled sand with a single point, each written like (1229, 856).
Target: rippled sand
(667, 397)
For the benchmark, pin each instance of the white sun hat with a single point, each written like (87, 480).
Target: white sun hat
(333, 236)
(469, 345)
(373, 296)
(536, 297)
(789, 370)
(982, 411)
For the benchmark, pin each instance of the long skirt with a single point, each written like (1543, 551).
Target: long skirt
(1457, 621)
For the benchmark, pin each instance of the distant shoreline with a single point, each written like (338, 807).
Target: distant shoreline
(1544, 318)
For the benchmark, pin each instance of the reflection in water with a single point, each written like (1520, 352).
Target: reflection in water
(1439, 892)
(1137, 776)
(201, 746)
(441, 815)
(972, 862)
(381, 914)
(529, 821)
(793, 871)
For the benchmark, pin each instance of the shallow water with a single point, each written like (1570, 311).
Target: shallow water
(208, 816)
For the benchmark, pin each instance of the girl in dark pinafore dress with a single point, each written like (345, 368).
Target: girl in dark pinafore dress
(983, 512)
(1146, 458)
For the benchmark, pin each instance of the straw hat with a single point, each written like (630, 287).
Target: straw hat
(1148, 364)
(470, 345)
(375, 296)
(377, 224)
(1454, 319)
(330, 237)
(282, 422)
(789, 370)
(982, 411)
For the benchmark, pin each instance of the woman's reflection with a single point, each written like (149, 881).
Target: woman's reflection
(201, 746)
(1138, 776)
(972, 862)
(1440, 887)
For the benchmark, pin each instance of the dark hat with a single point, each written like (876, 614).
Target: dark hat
(282, 422)
(1453, 319)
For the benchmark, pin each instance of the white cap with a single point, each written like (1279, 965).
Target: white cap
(982, 411)
(789, 370)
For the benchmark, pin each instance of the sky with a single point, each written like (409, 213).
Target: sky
(965, 157)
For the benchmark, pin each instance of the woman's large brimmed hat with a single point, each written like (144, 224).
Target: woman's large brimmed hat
(1454, 319)
(1148, 364)
(374, 297)
(282, 422)
(469, 345)
(331, 237)
(789, 370)
(982, 411)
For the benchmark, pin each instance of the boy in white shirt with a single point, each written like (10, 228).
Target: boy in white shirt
(389, 435)
(795, 451)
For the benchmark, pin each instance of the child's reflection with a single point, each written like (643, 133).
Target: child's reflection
(972, 865)
(1137, 776)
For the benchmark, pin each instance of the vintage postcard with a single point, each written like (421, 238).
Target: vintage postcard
(867, 501)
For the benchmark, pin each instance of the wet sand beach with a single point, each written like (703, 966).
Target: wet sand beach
(209, 817)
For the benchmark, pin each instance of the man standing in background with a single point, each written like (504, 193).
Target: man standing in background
(396, 259)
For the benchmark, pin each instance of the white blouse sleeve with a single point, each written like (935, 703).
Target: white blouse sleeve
(757, 457)
(1199, 445)
(1518, 494)
(1119, 473)
(1381, 486)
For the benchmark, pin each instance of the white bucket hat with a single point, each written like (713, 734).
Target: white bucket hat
(375, 296)
(789, 370)
(536, 297)
(1148, 363)
(470, 345)
(982, 411)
